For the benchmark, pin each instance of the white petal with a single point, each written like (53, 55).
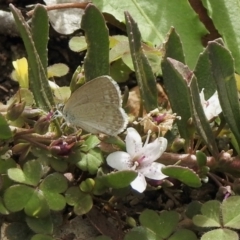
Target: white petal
(154, 150)
(202, 98)
(153, 171)
(133, 141)
(139, 183)
(213, 108)
(119, 160)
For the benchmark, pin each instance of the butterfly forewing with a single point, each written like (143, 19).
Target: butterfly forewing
(96, 107)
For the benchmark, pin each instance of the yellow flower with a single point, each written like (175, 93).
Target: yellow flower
(20, 74)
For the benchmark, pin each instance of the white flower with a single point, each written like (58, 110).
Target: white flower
(211, 107)
(140, 158)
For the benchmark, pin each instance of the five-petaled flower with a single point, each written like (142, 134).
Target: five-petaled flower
(211, 107)
(140, 158)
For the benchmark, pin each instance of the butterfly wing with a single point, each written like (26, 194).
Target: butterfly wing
(96, 107)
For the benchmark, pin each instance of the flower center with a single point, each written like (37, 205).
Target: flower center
(136, 161)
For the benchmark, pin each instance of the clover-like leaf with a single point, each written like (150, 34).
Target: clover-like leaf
(91, 142)
(220, 234)
(5, 132)
(140, 233)
(31, 173)
(87, 185)
(81, 201)
(40, 225)
(16, 197)
(77, 44)
(17, 230)
(20, 197)
(3, 209)
(162, 225)
(210, 217)
(183, 174)
(57, 70)
(91, 160)
(52, 186)
(230, 212)
(6, 164)
(183, 234)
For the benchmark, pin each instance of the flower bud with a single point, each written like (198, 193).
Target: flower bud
(61, 147)
(20, 147)
(42, 125)
(15, 110)
(77, 79)
(177, 144)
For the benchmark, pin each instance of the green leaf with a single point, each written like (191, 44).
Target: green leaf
(201, 123)
(20, 197)
(40, 29)
(140, 233)
(223, 71)
(37, 205)
(91, 160)
(6, 164)
(179, 98)
(118, 179)
(3, 209)
(220, 234)
(183, 234)
(5, 132)
(36, 70)
(31, 173)
(201, 158)
(16, 197)
(41, 237)
(40, 225)
(57, 70)
(193, 208)
(87, 185)
(18, 231)
(204, 75)
(82, 202)
(210, 217)
(162, 225)
(96, 62)
(185, 175)
(52, 186)
(225, 17)
(155, 18)
(99, 187)
(91, 142)
(77, 44)
(230, 212)
(119, 71)
(144, 73)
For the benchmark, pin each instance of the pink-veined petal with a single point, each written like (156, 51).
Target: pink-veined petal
(153, 171)
(133, 141)
(154, 150)
(139, 183)
(213, 108)
(119, 160)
